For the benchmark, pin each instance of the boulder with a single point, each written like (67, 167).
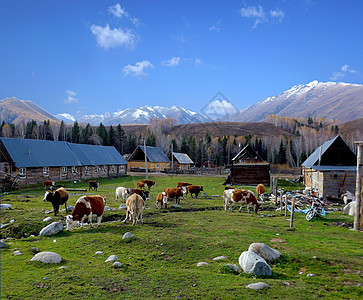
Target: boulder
(251, 262)
(264, 251)
(220, 257)
(5, 206)
(52, 229)
(117, 265)
(257, 286)
(349, 209)
(47, 257)
(127, 235)
(107, 208)
(3, 245)
(47, 219)
(111, 258)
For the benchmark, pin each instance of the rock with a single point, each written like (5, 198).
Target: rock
(5, 206)
(48, 219)
(17, 252)
(127, 235)
(35, 249)
(264, 251)
(52, 229)
(251, 262)
(349, 209)
(107, 208)
(116, 265)
(111, 258)
(48, 211)
(122, 206)
(234, 268)
(310, 275)
(70, 208)
(63, 268)
(257, 286)
(175, 206)
(3, 245)
(202, 263)
(99, 252)
(220, 257)
(46, 278)
(47, 257)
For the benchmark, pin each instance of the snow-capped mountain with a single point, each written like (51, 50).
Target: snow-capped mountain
(66, 118)
(330, 100)
(142, 115)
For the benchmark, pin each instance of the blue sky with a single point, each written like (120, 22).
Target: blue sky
(85, 56)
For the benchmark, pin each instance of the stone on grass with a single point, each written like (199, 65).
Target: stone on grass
(99, 252)
(111, 258)
(3, 245)
(349, 209)
(5, 206)
(257, 286)
(52, 229)
(264, 251)
(116, 265)
(202, 263)
(48, 219)
(35, 250)
(175, 206)
(127, 235)
(251, 262)
(220, 257)
(47, 257)
(63, 268)
(234, 268)
(107, 208)
(122, 206)
(17, 252)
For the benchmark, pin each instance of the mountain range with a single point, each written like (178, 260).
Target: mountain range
(330, 100)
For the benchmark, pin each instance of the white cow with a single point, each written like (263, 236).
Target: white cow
(135, 206)
(121, 193)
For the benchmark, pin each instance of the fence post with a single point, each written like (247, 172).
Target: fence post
(358, 187)
(292, 213)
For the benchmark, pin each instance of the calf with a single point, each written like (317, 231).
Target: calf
(183, 186)
(162, 199)
(140, 185)
(48, 184)
(148, 183)
(194, 189)
(135, 206)
(86, 206)
(174, 193)
(57, 198)
(142, 193)
(240, 196)
(121, 193)
(260, 190)
(93, 185)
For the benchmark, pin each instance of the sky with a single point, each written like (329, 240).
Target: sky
(92, 56)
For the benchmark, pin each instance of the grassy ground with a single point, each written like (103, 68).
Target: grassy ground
(161, 261)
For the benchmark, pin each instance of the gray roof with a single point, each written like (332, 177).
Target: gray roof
(42, 153)
(247, 150)
(154, 154)
(334, 168)
(182, 158)
(314, 157)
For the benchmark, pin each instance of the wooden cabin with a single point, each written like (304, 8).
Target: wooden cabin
(331, 169)
(249, 168)
(181, 161)
(34, 161)
(157, 160)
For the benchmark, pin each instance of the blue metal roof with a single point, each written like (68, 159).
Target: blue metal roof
(182, 158)
(154, 154)
(42, 153)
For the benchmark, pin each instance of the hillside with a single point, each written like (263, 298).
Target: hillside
(17, 111)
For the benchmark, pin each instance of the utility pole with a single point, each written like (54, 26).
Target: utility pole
(145, 160)
(358, 186)
(172, 156)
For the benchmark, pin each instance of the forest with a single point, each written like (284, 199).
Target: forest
(305, 136)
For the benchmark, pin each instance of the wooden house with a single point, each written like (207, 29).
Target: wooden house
(181, 161)
(249, 168)
(34, 161)
(157, 160)
(331, 169)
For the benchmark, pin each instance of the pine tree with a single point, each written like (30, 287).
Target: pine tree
(101, 131)
(111, 136)
(76, 135)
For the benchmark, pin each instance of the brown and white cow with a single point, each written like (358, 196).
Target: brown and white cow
(86, 206)
(162, 199)
(240, 196)
(135, 206)
(48, 184)
(140, 192)
(174, 193)
(93, 185)
(194, 189)
(148, 183)
(260, 190)
(183, 186)
(57, 198)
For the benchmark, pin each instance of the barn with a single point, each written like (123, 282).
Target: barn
(157, 160)
(249, 168)
(181, 161)
(34, 161)
(331, 169)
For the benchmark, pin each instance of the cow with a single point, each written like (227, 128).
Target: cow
(240, 196)
(48, 184)
(174, 193)
(140, 185)
(229, 188)
(142, 193)
(121, 193)
(93, 185)
(183, 186)
(86, 206)
(260, 190)
(57, 198)
(194, 189)
(148, 183)
(135, 206)
(162, 199)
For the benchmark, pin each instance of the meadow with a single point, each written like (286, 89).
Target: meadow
(161, 260)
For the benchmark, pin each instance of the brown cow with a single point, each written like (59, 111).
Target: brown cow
(140, 185)
(194, 189)
(240, 196)
(135, 206)
(162, 199)
(57, 198)
(48, 184)
(140, 192)
(86, 206)
(172, 193)
(181, 184)
(149, 183)
(260, 189)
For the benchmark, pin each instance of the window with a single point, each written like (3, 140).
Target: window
(64, 171)
(157, 165)
(163, 165)
(74, 170)
(86, 169)
(22, 172)
(46, 171)
(113, 169)
(104, 169)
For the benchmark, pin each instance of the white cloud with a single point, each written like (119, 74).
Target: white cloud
(220, 106)
(109, 38)
(344, 70)
(216, 26)
(71, 97)
(260, 16)
(198, 62)
(277, 14)
(117, 11)
(137, 69)
(172, 62)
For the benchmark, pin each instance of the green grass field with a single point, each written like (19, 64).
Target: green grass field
(161, 260)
